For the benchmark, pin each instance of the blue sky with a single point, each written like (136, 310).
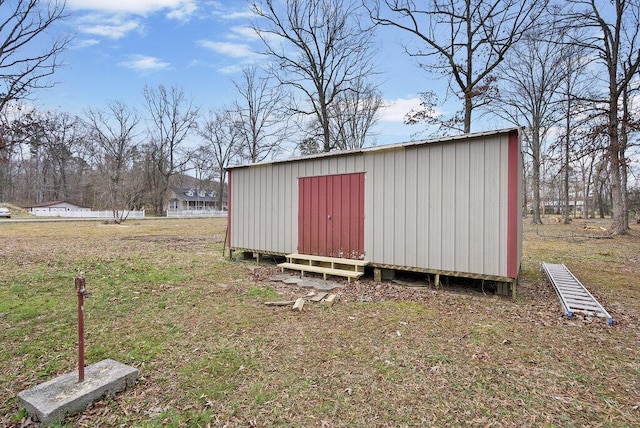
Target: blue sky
(199, 45)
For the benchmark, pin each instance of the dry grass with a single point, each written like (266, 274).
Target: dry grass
(210, 353)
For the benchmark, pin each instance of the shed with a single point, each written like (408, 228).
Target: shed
(449, 206)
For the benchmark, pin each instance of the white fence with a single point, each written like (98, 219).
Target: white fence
(195, 213)
(91, 214)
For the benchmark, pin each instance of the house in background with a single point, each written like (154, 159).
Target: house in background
(54, 208)
(191, 199)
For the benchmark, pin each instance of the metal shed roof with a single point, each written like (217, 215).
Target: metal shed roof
(444, 139)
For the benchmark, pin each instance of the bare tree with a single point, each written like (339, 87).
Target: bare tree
(309, 146)
(574, 87)
(353, 116)
(261, 117)
(20, 133)
(27, 58)
(319, 49)
(531, 80)
(203, 163)
(173, 117)
(463, 40)
(55, 157)
(113, 133)
(589, 152)
(223, 140)
(614, 31)
(629, 125)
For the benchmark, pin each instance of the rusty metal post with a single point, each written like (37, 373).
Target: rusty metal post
(81, 290)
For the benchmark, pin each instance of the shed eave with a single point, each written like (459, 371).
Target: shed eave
(388, 147)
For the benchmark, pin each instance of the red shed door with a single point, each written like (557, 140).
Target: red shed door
(331, 215)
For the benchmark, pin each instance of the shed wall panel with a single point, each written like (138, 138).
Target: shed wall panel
(491, 199)
(477, 207)
(411, 214)
(441, 206)
(423, 198)
(434, 190)
(264, 216)
(447, 204)
(400, 221)
(503, 196)
(461, 208)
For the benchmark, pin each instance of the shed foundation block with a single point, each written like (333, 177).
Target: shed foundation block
(242, 255)
(380, 274)
(504, 288)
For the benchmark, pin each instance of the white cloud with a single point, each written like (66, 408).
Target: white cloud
(232, 69)
(184, 12)
(145, 63)
(243, 33)
(177, 9)
(396, 110)
(228, 11)
(86, 43)
(238, 15)
(114, 27)
(234, 50)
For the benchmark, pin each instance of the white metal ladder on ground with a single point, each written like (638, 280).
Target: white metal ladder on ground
(574, 297)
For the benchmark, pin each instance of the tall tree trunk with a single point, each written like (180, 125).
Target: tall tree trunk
(535, 154)
(624, 140)
(600, 202)
(587, 191)
(468, 108)
(617, 192)
(566, 217)
(324, 120)
(223, 178)
(565, 184)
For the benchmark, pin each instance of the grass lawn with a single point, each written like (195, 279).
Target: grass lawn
(210, 353)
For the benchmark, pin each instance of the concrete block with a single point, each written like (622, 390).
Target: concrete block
(52, 401)
(377, 274)
(380, 275)
(388, 274)
(242, 255)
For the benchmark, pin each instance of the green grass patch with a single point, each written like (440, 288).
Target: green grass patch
(263, 293)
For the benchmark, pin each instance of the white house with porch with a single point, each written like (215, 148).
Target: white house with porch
(194, 202)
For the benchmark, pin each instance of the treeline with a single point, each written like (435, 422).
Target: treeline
(567, 72)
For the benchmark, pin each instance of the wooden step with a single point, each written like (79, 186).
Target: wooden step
(327, 262)
(319, 269)
(338, 260)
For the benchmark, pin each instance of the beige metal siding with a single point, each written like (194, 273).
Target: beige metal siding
(264, 209)
(440, 206)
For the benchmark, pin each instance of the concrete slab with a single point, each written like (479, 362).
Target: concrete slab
(279, 278)
(54, 400)
(319, 284)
